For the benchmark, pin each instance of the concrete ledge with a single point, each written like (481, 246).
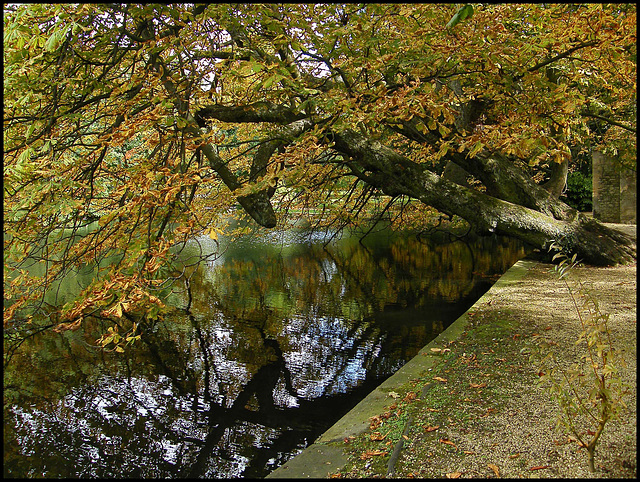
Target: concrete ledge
(324, 457)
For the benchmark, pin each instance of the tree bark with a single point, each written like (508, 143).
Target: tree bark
(504, 180)
(396, 175)
(558, 178)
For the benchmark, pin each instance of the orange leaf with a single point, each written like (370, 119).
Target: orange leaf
(538, 467)
(454, 475)
(370, 453)
(448, 442)
(410, 396)
(440, 379)
(477, 385)
(431, 429)
(495, 469)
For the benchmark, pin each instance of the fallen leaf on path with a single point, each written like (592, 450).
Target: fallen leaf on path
(495, 469)
(371, 453)
(409, 397)
(573, 439)
(477, 385)
(538, 467)
(488, 412)
(376, 421)
(454, 475)
(448, 442)
(469, 452)
(440, 379)
(378, 436)
(431, 429)
(514, 456)
(440, 350)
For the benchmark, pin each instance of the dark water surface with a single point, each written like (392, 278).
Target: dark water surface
(274, 341)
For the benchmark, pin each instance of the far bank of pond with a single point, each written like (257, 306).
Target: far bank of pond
(270, 344)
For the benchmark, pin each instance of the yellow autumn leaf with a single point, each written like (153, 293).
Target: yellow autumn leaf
(495, 469)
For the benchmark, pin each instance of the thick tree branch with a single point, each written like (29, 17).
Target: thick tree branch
(395, 175)
(610, 121)
(262, 111)
(282, 137)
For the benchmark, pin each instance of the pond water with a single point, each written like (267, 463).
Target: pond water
(274, 340)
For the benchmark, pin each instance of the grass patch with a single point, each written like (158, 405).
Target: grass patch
(462, 389)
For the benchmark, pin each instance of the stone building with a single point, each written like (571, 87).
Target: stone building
(614, 191)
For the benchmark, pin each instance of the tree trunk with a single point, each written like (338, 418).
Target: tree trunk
(505, 180)
(396, 175)
(558, 178)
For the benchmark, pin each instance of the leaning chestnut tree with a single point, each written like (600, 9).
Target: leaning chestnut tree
(130, 129)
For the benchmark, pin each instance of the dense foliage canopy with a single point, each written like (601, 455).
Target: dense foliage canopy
(130, 129)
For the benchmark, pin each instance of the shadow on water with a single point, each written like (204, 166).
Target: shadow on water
(269, 345)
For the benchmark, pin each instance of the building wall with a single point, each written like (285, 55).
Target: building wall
(614, 191)
(628, 197)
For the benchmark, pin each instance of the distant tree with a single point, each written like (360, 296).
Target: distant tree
(129, 129)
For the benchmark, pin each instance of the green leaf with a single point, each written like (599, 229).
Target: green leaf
(272, 80)
(256, 67)
(53, 42)
(476, 148)
(461, 14)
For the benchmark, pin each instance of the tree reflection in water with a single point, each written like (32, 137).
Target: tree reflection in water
(267, 349)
